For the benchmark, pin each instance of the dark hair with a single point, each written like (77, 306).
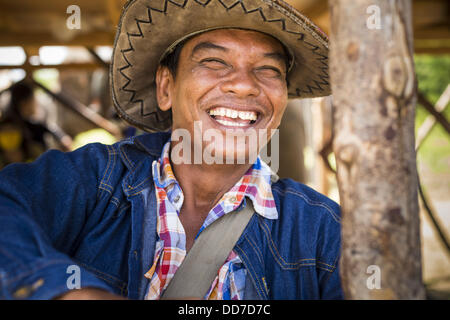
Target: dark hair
(171, 60)
(21, 91)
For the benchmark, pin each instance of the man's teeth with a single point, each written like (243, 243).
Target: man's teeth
(234, 114)
(231, 123)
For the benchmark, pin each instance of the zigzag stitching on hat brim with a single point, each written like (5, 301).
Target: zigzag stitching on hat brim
(298, 92)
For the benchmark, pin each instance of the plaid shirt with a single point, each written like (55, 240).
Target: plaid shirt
(171, 246)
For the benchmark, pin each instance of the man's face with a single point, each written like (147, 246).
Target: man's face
(229, 80)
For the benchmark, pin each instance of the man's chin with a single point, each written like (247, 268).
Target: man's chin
(219, 145)
(229, 156)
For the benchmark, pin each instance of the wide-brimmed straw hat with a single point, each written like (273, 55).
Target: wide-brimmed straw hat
(149, 29)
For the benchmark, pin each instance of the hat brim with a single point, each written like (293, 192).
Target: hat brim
(148, 28)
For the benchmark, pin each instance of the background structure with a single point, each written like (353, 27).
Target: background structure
(69, 67)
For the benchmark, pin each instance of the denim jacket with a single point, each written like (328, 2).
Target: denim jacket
(88, 218)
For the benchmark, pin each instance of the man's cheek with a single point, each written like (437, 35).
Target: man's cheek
(276, 120)
(280, 113)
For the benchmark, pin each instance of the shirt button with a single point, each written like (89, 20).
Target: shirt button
(177, 198)
(233, 199)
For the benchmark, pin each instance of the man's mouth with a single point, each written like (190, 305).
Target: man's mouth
(233, 118)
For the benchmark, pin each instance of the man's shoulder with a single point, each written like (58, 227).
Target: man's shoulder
(131, 149)
(307, 229)
(298, 201)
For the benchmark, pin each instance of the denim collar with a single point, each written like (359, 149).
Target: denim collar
(138, 153)
(131, 149)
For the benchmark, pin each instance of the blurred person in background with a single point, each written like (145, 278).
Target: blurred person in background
(22, 137)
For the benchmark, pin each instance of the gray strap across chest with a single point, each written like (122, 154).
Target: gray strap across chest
(194, 277)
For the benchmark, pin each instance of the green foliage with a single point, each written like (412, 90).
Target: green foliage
(433, 75)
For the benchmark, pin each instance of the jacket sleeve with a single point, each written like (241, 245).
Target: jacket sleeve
(43, 207)
(330, 246)
(331, 288)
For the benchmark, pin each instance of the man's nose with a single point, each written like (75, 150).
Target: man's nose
(242, 83)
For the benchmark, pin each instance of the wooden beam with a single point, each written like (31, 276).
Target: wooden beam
(432, 51)
(432, 46)
(302, 5)
(429, 122)
(439, 116)
(430, 210)
(60, 67)
(98, 59)
(18, 6)
(82, 110)
(319, 8)
(49, 21)
(114, 9)
(91, 39)
(426, 12)
(432, 32)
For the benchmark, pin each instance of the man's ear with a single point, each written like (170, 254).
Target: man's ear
(164, 83)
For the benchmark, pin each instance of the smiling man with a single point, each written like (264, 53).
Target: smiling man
(231, 81)
(228, 80)
(133, 218)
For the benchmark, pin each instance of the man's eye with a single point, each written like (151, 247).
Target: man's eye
(214, 63)
(269, 72)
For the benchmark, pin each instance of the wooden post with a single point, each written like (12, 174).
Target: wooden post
(374, 93)
(82, 110)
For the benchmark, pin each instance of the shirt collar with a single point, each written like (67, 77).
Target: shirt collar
(256, 184)
(162, 170)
